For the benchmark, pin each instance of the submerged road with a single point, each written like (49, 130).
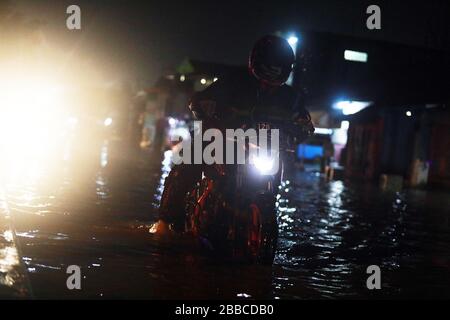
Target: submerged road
(96, 216)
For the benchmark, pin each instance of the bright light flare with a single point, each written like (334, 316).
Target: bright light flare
(325, 131)
(30, 123)
(264, 165)
(351, 107)
(292, 40)
(357, 56)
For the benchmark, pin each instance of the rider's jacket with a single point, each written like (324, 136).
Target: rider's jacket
(226, 104)
(238, 98)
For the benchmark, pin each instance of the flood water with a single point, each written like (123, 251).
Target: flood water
(98, 217)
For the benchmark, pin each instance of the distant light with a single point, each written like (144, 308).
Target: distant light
(182, 77)
(355, 56)
(215, 79)
(408, 113)
(141, 93)
(8, 235)
(104, 155)
(172, 121)
(203, 81)
(339, 136)
(351, 107)
(345, 125)
(323, 131)
(107, 122)
(292, 40)
(178, 132)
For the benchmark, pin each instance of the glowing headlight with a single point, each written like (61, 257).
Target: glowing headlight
(265, 165)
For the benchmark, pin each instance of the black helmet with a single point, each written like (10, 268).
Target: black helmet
(271, 60)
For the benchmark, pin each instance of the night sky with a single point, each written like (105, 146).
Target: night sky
(140, 40)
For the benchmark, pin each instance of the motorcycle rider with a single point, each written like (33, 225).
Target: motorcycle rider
(259, 93)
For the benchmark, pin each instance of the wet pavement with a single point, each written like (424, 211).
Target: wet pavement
(62, 213)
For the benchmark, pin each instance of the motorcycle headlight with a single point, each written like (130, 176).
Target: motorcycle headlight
(264, 165)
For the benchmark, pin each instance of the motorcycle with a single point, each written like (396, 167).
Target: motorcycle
(231, 210)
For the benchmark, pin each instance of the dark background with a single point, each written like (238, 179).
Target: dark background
(141, 39)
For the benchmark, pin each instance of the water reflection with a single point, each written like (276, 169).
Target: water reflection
(338, 230)
(165, 169)
(12, 279)
(94, 210)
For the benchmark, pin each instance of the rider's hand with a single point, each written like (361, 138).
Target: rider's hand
(307, 127)
(304, 125)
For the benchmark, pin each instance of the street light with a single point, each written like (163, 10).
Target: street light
(351, 107)
(292, 41)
